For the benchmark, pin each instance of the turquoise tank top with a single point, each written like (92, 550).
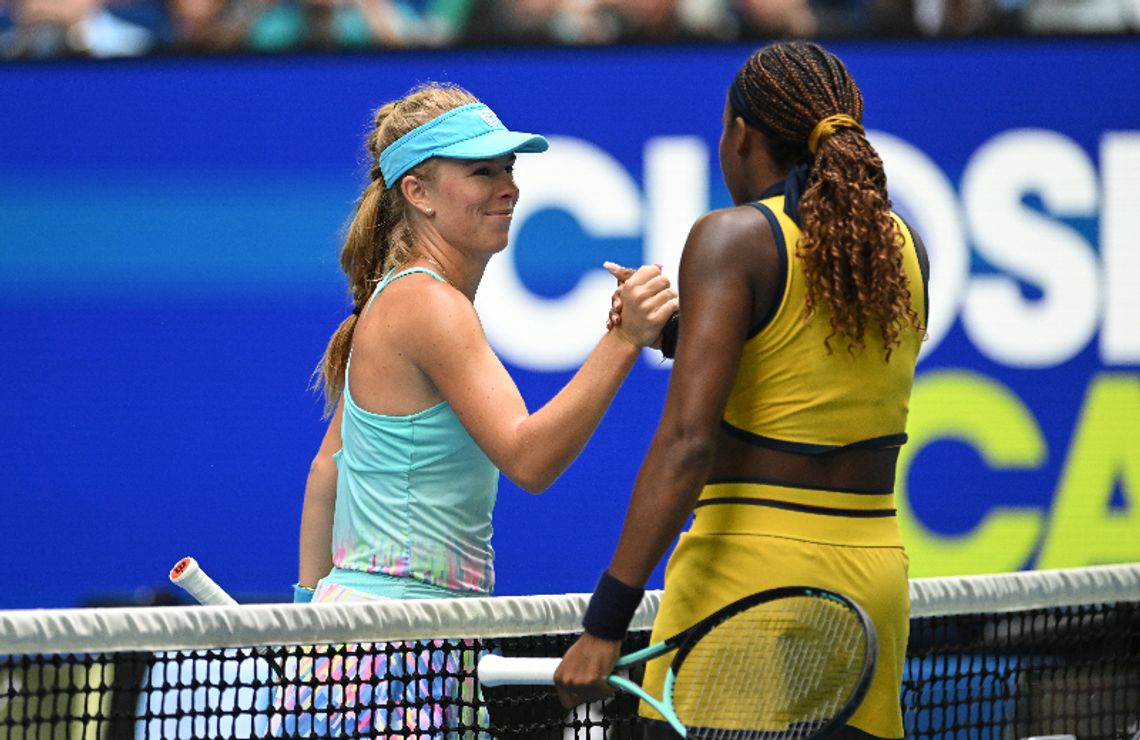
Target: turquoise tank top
(414, 496)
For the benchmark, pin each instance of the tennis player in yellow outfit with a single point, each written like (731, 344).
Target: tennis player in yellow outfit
(803, 308)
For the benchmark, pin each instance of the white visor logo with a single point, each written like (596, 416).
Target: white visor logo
(489, 117)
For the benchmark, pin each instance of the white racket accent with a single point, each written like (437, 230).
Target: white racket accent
(495, 670)
(194, 580)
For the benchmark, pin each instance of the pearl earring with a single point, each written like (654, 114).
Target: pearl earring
(430, 212)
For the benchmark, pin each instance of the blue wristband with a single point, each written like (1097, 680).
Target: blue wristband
(611, 608)
(302, 595)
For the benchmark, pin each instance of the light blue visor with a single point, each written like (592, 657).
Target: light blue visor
(471, 131)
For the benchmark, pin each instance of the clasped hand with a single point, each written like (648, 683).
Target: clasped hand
(641, 305)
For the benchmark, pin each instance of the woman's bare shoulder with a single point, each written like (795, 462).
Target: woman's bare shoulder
(731, 237)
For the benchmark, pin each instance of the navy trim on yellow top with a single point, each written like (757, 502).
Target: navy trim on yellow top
(798, 485)
(925, 271)
(782, 277)
(807, 448)
(803, 508)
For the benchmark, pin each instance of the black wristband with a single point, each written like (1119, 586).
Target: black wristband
(669, 336)
(611, 608)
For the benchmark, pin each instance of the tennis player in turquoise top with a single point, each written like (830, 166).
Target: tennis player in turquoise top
(425, 416)
(399, 498)
(402, 527)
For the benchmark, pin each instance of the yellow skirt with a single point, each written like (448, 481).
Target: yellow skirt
(714, 565)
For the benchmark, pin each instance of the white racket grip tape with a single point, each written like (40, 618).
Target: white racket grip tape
(194, 580)
(495, 670)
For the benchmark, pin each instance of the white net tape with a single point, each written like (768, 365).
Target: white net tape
(47, 631)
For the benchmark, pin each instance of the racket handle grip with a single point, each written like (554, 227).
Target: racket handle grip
(194, 580)
(495, 670)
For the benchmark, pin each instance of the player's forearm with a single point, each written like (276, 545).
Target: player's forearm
(315, 548)
(551, 438)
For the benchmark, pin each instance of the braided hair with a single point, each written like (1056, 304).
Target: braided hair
(851, 247)
(378, 237)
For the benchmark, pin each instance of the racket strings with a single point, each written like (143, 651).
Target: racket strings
(778, 670)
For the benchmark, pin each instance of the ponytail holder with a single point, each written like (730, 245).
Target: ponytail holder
(356, 311)
(829, 126)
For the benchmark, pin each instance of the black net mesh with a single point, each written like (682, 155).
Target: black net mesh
(1058, 671)
(421, 689)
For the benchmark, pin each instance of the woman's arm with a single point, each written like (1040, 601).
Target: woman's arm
(718, 276)
(534, 449)
(315, 550)
(718, 299)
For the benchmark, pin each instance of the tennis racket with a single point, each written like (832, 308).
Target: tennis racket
(782, 664)
(187, 574)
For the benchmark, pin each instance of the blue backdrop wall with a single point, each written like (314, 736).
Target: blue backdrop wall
(168, 279)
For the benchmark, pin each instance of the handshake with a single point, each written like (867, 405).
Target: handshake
(645, 307)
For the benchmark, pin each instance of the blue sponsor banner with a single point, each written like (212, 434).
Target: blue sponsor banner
(169, 232)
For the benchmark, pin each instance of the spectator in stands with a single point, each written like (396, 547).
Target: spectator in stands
(533, 22)
(323, 24)
(1081, 16)
(724, 20)
(954, 17)
(775, 18)
(432, 22)
(150, 14)
(206, 25)
(329, 24)
(645, 20)
(51, 28)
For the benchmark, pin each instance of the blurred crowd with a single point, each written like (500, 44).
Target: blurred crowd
(32, 29)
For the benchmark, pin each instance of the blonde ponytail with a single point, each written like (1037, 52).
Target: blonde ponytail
(378, 237)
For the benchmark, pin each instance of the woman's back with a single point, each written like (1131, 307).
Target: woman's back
(833, 414)
(415, 493)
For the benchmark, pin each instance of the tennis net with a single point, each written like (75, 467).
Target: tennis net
(1005, 656)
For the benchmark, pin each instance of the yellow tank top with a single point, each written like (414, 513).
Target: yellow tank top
(791, 393)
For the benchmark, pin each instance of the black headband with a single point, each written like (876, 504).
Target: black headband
(742, 108)
(796, 180)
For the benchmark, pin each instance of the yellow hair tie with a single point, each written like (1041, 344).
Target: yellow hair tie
(829, 126)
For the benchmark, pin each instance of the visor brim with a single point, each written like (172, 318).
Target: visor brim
(494, 144)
